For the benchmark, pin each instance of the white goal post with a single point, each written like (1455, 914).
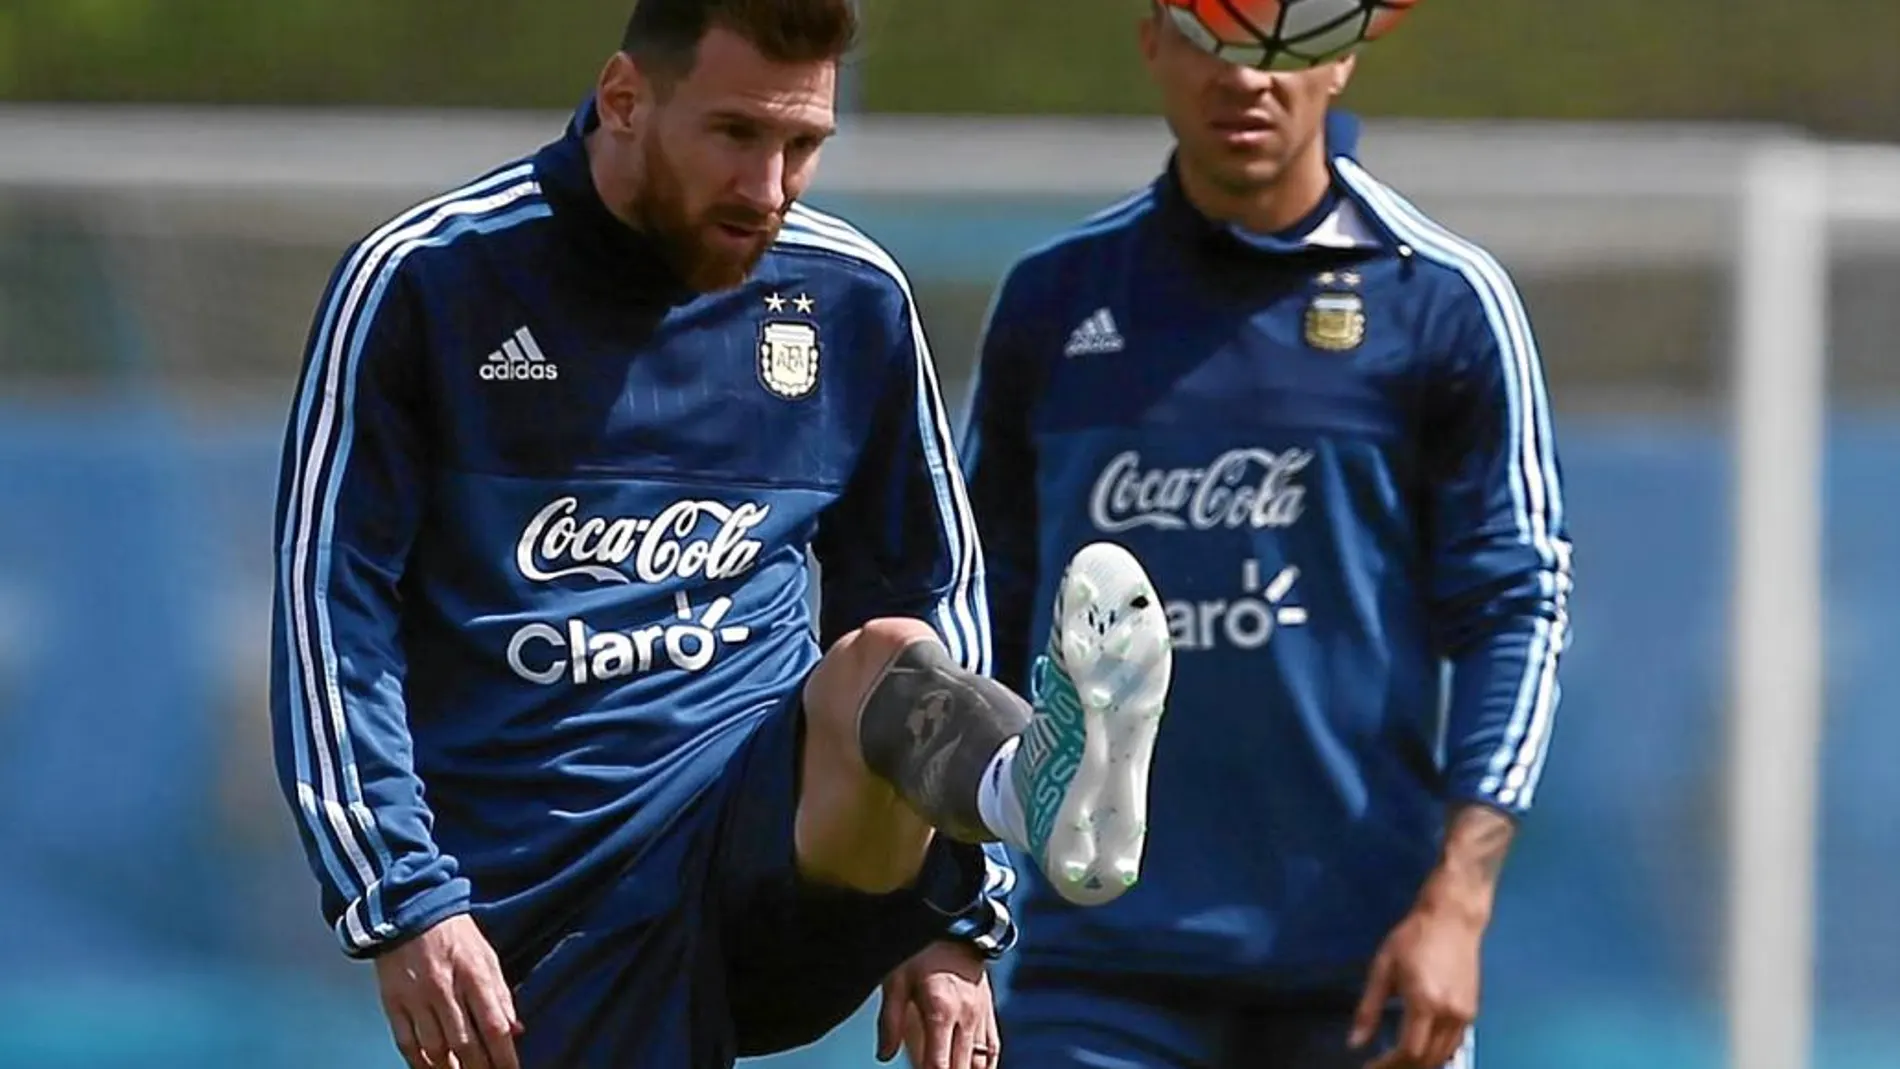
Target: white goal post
(1777, 697)
(1794, 197)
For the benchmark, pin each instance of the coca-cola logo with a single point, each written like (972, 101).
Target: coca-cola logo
(1250, 487)
(674, 543)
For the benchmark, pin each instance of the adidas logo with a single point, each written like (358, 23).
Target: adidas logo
(1097, 334)
(519, 360)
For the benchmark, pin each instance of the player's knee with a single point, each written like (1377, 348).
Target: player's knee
(850, 670)
(875, 645)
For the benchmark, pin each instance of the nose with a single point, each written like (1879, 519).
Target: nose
(1239, 79)
(761, 185)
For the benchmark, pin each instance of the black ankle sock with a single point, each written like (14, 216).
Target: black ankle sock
(930, 728)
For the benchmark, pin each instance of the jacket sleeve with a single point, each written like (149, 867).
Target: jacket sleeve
(900, 541)
(999, 461)
(1501, 552)
(349, 502)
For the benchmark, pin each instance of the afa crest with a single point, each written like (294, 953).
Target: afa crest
(1336, 317)
(788, 358)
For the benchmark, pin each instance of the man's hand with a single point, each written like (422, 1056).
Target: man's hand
(448, 1005)
(939, 1006)
(1431, 960)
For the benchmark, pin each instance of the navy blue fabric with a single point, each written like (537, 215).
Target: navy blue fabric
(711, 947)
(1081, 1021)
(1332, 451)
(545, 523)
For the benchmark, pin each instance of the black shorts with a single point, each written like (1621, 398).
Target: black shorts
(713, 948)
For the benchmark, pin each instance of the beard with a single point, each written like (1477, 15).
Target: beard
(691, 242)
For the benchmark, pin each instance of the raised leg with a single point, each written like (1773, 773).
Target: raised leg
(901, 744)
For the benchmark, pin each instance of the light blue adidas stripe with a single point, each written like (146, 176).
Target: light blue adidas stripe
(329, 786)
(1536, 494)
(963, 616)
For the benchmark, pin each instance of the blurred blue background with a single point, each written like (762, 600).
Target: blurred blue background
(158, 269)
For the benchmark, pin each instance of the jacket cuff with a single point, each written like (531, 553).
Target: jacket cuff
(984, 920)
(411, 918)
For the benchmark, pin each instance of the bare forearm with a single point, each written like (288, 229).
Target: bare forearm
(1477, 840)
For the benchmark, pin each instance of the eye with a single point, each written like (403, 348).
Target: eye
(739, 132)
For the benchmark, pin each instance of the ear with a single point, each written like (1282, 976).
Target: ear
(622, 93)
(1342, 75)
(1149, 34)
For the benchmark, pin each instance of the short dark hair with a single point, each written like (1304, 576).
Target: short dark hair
(663, 35)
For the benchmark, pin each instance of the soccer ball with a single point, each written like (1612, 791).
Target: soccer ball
(1284, 34)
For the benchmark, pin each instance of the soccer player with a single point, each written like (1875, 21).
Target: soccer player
(1318, 418)
(567, 757)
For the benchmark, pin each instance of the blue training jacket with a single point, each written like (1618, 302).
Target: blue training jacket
(543, 525)
(1333, 451)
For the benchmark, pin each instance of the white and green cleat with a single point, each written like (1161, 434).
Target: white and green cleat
(1099, 692)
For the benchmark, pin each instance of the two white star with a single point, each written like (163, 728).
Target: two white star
(804, 304)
